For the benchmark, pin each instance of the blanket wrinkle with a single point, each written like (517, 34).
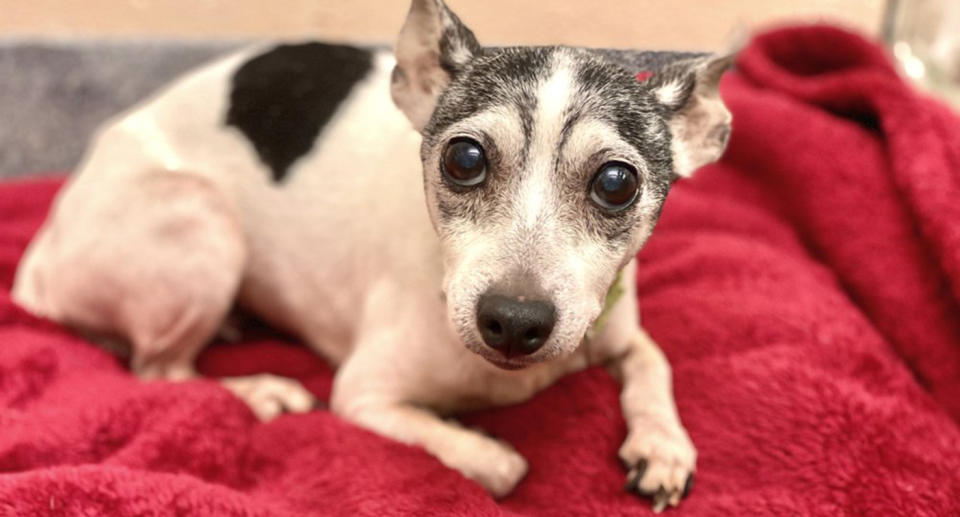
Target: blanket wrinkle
(897, 180)
(805, 290)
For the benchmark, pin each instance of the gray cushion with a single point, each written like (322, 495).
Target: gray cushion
(53, 94)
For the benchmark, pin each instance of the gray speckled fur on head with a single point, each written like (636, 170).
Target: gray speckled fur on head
(572, 156)
(606, 88)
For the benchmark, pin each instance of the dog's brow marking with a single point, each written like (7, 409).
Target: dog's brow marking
(572, 118)
(525, 108)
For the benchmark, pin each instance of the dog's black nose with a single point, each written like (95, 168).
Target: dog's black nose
(514, 327)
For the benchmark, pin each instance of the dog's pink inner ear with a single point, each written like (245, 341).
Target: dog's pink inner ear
(700, 123)
(432, 45)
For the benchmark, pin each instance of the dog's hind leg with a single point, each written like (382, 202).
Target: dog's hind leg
(379, 387)
(158, 264)
(152, 258)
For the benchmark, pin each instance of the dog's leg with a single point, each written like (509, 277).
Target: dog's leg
(383, 384)
(658, 452)
(184, 303)
(182, 254)
(154, 258)
(151, 257)
(159, 264)
(490, 462)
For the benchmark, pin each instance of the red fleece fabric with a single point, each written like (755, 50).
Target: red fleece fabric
(805, 290)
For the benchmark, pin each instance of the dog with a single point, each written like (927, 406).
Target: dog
(453, 226)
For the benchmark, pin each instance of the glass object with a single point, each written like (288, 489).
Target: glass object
(924, 36)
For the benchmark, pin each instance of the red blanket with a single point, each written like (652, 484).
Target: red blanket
(805, 290)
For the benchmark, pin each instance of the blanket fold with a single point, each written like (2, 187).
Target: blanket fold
(806, 290)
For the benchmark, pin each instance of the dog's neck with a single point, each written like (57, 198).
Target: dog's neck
(613, 295)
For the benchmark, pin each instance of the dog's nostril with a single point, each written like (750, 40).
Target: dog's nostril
(514, 326)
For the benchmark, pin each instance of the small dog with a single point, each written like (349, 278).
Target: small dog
(285, 180)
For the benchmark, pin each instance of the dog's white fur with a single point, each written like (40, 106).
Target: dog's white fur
(172, 218)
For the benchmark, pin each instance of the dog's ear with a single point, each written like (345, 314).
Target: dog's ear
(432, 48)
(699, 121)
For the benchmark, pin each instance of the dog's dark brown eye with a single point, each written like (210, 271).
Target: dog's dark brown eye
(464, 163)
(614, 187)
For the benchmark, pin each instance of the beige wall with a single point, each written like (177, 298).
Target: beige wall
(696, 24)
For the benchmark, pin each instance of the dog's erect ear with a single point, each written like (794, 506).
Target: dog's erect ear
(699, 121)
(432, 48)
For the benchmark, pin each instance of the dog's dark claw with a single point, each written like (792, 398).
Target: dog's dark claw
(663, 496)
(641, 469)
(634, 476)
(688, 486)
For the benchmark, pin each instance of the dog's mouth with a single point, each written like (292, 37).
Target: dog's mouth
(505, 364)
(499, 360)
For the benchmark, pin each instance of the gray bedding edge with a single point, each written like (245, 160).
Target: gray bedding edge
(53, 94)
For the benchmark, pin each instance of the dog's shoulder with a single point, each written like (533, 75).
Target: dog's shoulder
(282, 97)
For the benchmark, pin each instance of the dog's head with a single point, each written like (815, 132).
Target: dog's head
(545, 169)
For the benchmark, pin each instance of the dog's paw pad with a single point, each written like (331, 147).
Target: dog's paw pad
(269, 395)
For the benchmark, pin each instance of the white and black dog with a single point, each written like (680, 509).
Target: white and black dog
(468, 263)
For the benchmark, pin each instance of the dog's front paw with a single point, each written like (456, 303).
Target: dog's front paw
(495, 465)
(661, 462)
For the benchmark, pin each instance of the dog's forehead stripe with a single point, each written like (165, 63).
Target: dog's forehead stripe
(553, 96)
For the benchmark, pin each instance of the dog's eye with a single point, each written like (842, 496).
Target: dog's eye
(464, 163)
(614, 187)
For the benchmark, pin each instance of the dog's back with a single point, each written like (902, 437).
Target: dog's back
(231, 177)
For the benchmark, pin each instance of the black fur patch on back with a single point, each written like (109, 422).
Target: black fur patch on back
(281, 99)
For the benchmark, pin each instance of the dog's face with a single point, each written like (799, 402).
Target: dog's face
(545, 170)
